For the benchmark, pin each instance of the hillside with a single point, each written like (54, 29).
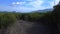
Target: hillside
(45, 10)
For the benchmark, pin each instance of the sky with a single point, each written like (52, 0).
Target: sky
(26, 5)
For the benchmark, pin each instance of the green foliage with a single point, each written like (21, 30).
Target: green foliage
(35, 16)
(32, 16)
(56, 12)
(6, 20)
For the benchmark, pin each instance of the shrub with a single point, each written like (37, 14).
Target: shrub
(7, 20)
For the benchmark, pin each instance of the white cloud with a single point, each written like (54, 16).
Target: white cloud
(18, 3)
(51, 4)
(56, 2)
(36, 5)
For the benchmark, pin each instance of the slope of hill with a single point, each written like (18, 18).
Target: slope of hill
(45, 10)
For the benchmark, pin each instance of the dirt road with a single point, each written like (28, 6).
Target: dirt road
(25, 27)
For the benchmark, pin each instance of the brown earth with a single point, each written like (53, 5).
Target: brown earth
(25, 27)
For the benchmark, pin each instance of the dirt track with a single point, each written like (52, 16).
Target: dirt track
(25, 27)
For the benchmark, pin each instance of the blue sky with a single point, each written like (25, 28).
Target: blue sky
(26, 5)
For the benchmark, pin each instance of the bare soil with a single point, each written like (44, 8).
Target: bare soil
(25, 27)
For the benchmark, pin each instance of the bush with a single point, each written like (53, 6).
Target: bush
(7, 20)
